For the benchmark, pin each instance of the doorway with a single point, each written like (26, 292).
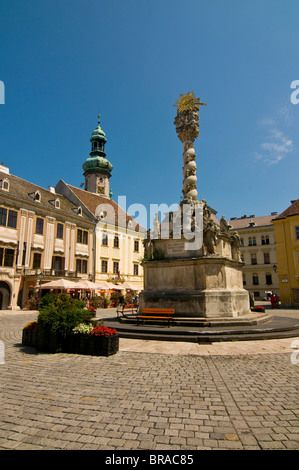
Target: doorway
(5, 294)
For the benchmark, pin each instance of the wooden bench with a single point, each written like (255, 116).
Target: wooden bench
(129, 308)
(156, 314)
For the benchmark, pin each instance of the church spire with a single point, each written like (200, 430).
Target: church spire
(97, 168)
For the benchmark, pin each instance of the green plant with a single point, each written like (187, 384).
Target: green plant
(251, 298)
(62, 313)
(106, 300)
(114, 297)
(128, 299)
(95, 301)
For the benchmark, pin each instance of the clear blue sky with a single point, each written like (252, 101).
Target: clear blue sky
(63, 62)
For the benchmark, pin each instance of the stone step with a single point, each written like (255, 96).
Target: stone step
(273, 329)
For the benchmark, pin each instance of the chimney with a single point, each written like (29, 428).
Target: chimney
(4, 168)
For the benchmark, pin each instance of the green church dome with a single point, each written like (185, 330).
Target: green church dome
(97, 163)
(98, 134)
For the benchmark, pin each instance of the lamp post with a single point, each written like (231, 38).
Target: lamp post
(41, 276)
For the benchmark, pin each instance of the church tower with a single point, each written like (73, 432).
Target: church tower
(97, 168)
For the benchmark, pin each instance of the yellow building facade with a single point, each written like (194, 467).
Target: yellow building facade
(286, 227)
(258, 253)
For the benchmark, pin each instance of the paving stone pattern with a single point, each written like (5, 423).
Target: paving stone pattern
(147, 401)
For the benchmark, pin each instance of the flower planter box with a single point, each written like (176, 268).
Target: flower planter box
(74, 343)
(258, 308)
(102, 345)
(47, 342)
(29, 337)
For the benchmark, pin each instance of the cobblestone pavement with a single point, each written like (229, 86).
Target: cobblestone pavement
(142, 400)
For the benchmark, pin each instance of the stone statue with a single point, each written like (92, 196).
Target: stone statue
(224, 225)
(235, 245)
(210, 231)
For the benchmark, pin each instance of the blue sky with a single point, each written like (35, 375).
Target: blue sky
(63, 62)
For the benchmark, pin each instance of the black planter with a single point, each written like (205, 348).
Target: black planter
(49, 342)
(29, 337)
(93, 345)
(103, 345)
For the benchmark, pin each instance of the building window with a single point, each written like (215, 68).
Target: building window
(297, 233)
(39, 226)
(3, 215)
(37, 258)
(268, 279)
(136, 245)
(4, 184)
(244, 280)
(104, 266)
(81, 266)
(253, 258)
(265, 240)
(82, 236)
(12, 219)
(58, 263)
(59, 233)
(135, 269)
(37, 196)
(116, 242)
(266, 258)
(105, 239)
(252, 241)
(7, 257)
(241, 241)
(115, 267)
(255, 279)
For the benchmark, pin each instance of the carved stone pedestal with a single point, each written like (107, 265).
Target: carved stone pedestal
(195, 287)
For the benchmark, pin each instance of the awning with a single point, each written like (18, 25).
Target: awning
(84, 284)
(60, 284)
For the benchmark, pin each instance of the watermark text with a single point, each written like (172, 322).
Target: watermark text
(165, 221)
(2, 93)
(295, 95)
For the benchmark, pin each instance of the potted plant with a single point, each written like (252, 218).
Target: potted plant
(105, 301)
(56, 320)
(114, 298)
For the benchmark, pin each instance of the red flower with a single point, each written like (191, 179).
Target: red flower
(103, 331)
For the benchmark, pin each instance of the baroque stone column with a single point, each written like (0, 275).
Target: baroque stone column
(187, 128)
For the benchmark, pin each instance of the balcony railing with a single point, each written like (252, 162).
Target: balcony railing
(51, 273)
